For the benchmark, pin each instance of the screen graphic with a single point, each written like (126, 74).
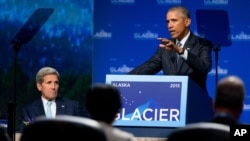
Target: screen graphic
(156, 101)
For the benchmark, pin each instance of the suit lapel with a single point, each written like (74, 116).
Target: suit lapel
(172, 64)
(188, 46)
(38, 108)
(173, 58)
(179, 63)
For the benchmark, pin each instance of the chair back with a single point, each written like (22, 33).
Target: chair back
(63, 128)
(204, 131)
(3, 135)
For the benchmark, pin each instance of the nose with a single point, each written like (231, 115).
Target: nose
(54, 85)
(170, 25)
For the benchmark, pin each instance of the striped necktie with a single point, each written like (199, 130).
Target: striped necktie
(177, 55)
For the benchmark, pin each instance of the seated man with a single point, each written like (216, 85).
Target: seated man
(47, 82)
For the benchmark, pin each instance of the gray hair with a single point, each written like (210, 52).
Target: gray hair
(182, 9)
(45, 71)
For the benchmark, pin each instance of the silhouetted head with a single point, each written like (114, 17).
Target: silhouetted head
(103, 102)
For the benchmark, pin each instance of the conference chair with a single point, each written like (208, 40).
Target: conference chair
(63, 128)
(203, 131)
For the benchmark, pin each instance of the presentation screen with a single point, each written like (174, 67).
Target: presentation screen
(152, 101)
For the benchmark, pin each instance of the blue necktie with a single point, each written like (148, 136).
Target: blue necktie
(49, 112)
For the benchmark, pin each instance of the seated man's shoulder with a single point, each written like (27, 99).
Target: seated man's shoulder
(67, 100)
(32, 104)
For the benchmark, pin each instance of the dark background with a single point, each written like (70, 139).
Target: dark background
(63, 42)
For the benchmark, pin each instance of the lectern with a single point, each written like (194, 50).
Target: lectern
(160, 101)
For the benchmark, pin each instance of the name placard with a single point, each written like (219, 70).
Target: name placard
(152, 101)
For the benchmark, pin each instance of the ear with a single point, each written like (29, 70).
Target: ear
(38, 86)
(187, 22)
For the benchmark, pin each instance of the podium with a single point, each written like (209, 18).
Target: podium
(160, 101)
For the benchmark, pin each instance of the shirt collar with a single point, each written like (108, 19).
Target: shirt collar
(183, 41)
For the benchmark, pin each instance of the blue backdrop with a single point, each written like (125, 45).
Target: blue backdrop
(125, 33)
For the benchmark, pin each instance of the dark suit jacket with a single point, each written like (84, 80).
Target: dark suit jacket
(224, 118)
(63, 107)
(197, 65)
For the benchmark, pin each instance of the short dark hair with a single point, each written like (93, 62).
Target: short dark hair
(230, 92)
(182, 9)
(103, 102)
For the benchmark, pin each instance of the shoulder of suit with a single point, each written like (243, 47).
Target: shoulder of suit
(195, 39)
(201, 39)
(33, 104)
(60, 99)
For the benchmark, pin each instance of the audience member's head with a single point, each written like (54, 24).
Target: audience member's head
(103, 102)
(230, 96)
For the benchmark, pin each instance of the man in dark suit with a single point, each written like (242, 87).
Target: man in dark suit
(184, 54)
(229, 100)
(47, 82)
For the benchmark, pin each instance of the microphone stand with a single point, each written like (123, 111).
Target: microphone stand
(12, 104)
(25, 34)
(216, 50)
